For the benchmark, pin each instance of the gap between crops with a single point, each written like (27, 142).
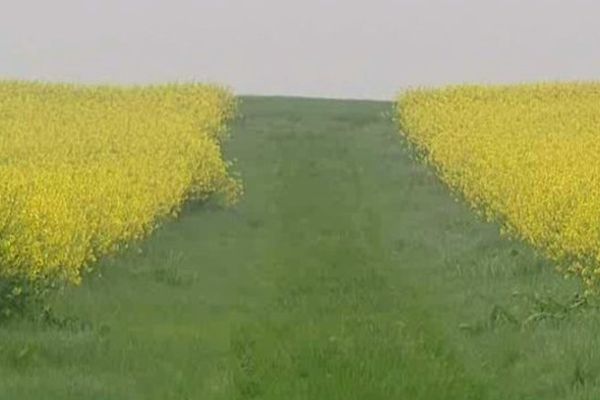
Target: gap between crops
(346, 272)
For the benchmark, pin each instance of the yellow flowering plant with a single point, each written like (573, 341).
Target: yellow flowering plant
(84, 170)
(524, 155)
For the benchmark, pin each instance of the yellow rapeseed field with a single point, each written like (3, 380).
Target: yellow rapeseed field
(85, 170)
(527, 156)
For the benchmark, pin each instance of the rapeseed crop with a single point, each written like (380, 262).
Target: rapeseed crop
(86, 170)
(527, 156)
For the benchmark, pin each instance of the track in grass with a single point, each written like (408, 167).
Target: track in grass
(347, 272)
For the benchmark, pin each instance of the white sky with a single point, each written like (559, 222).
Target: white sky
(331, 48)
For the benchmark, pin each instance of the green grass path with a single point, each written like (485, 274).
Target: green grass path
(347, 272)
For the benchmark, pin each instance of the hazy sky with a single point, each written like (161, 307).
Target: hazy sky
(333, 48)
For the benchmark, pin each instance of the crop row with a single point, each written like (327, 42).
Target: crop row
(86, 170)
(527, 156)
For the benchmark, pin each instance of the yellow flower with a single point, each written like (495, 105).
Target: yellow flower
(525, 155)
(85, 170)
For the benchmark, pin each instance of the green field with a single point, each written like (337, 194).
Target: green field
(347, 272)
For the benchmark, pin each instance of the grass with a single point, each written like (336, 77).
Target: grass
(347, 272)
